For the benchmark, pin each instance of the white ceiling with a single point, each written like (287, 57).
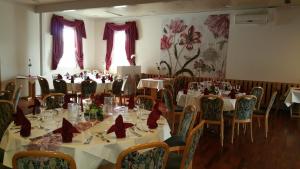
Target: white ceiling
(143, 8)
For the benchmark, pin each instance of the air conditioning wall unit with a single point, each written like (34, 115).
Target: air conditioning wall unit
(251, 18)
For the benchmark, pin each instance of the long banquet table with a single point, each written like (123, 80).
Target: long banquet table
(87, 156)
(76, 86)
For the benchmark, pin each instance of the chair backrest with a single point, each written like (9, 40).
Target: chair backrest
(167, 98)
(154, 156)
(188, 120)
(244, 107)
(258, 92)
(179, 84)
(42, 159)
(211, 107)
(191, 145)
(6, 111)
(54, 100)
(10, 90)
(146, 100)
(60, 86)
(44, 85)
(272, 100)
(88, 87)
(117, 87)
(16, 97)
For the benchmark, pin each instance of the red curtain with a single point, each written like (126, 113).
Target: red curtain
(57, 25)
(131, 35)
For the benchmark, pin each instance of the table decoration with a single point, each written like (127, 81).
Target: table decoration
(154, 116)
(18, 117)
(119, 127)
(94, 112)
(36, 107)
(25, 127)
(66, 131)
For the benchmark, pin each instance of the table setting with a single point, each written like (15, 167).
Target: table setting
(83, 137)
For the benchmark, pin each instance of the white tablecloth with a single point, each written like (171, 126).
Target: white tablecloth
(152, 83)
(292, 97)
(87, 156)
(76, 86)
(193, 98)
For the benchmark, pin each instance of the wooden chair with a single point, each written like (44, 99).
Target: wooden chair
(265, 114)
(177, 142)
(88, 88)
(258, 92)
(45, 159)
(117, 89)
(211, 108)
(154, 155)
(244, 107)
(8, 92)
(44, 86)
(53, 100)
(60, 86)
(185, 160)
(146, 100)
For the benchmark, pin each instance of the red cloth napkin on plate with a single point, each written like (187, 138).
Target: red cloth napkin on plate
(19, 117)
(25, 128)
(154, 116)
(97, 76)
(66, 131)
(36, 107)
(103, 79)
(72, 79)
(119, 127)
(232, 94)
(59, 76)
(131, 102)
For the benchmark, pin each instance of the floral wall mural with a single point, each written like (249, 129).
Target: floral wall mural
(195, 46)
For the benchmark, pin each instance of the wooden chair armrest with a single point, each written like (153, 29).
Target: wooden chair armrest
(176, 148)
(52, 94)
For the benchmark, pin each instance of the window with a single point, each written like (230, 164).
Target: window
(68, 59)
(118, 55)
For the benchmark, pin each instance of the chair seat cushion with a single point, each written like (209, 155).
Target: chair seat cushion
(175, 141)
(259, 112)
(174, 161)
(178, 109)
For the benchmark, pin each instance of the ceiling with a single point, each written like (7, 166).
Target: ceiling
(105, 9)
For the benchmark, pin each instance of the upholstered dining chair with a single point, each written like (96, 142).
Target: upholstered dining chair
(243, 112)
(265, 114)
(6, 117)
(16, 97)
(177, 142)
(60, 86)
(42, 159)
(147, 101)
(117, 89)
(258, 92)
(53, 100)
(44, 86)
(185, 160)
(211, 109)
(88, 88)
(179, 84)
(8, 92)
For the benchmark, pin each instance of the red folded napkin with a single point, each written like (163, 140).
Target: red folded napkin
(99, 99)
(154, 116)
(72, 79)
(19, 117)
(66, 131)
(25, 127)
(103, 79)
(232, 94)
(131, 102)
(59, 76)
(97, 76)
(36, 107)
(185, 89)
(119, 127)
(81, 74)
(67, 99)
(206, 92)
(110, 78)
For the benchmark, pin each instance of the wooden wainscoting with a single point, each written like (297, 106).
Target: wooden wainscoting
(246, 85)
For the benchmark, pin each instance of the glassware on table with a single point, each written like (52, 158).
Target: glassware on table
(139, 112)
(60, 101)
(238, 87)
(108, 105)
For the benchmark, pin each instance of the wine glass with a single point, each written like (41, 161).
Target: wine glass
(60, 101)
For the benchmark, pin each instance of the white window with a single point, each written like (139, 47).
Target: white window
(68, 59)
(119, 57)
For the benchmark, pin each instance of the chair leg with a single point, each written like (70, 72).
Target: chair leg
(258, 121)
(245, 128)
(232, 131)
(251, 132)
(222, 133)
(266, 127)
(238, 129)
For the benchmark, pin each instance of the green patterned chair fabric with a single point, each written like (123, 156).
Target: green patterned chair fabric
(6, 111)
(167, 98)
(42, 163)
(151, 159)
(211, 107)
(88, 87)
(258, 92)
(117, 87)
(60, 86)
(7, 94)
(244, 108)
(147, 102)
(44, 86)
(175, 159)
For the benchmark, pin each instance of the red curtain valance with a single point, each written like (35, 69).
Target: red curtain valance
(57, 25)
(131, 35)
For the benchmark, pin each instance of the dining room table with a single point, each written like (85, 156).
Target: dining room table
(89, 148)
(154, 84)
(292, 101)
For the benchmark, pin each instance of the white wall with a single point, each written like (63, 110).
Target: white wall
(88, 46)
(268, 52)
(19, 40)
